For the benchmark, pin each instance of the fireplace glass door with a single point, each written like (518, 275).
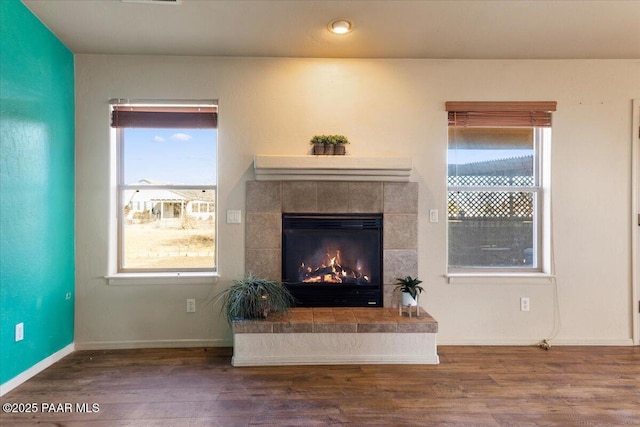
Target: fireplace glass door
(333, 260)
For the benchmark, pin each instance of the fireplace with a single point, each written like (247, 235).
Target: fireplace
(333, 260)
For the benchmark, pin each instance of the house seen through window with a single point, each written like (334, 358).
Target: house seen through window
(496, 192)
(166, 190)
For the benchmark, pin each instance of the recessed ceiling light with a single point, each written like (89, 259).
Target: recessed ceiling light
(340, 26)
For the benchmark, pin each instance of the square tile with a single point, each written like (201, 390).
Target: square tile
(323, 315)
(264, 263)
(263, 196)
(399, 263)
(334, 327)
(401, 197)
(412, 328)
(301, 315)
(288, 328)
(400, 231)
(264, 231)
(344, 315)
(365, 197)
(377, 327)
(333, 197)
(252, 327)
(299, 196)
(380, 315)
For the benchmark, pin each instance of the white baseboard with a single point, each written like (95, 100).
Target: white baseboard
(36, 369)
(593, 341)
(124, 345)
(530, 341)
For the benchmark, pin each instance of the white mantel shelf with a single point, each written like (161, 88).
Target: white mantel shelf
(331, 168)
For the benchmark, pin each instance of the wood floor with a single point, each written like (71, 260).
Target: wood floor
(473, 386)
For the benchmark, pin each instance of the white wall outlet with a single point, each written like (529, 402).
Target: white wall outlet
(234, 216)
(524, 304)
(191, 305)
(433, 215)
(19, 331)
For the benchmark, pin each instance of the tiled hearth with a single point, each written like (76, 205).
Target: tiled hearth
(343, 319)
(336, 336)
(398, 201)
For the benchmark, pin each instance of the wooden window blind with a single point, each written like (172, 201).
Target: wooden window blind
(134, 116)
(537, 114)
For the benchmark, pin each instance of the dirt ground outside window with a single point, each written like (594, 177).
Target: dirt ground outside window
(170, 245)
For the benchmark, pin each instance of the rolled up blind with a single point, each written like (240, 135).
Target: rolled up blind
(137, 116)
(537, 114)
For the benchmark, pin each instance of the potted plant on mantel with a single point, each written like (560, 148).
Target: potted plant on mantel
(410, 289)
(318, 142)
(329, 144)
(340, 142)
(254, 298)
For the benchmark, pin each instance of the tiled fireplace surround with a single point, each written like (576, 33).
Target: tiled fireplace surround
(335, 335)
(398, 201)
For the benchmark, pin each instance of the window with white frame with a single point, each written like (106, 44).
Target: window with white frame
(497, 185)
(166, 185)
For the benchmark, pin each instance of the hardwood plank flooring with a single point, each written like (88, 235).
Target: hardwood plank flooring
(472, 386)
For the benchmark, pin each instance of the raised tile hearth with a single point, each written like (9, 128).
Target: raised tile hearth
(326, 336)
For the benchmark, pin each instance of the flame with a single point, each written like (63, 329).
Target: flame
(331, 270)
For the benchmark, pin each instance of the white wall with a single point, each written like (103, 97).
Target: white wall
(273, 106)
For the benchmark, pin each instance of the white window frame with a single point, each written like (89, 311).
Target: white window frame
(541, 218)
(125, 276)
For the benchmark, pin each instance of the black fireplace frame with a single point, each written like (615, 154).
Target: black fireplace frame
(332, 294)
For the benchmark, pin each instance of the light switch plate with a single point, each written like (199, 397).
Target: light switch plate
(234, 216)
(433, 215)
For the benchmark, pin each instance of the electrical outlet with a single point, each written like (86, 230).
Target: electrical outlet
(19, 331)
(524, 303)
(191, 305)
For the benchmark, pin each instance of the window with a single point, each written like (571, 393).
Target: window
(497, 185)
(166, 185)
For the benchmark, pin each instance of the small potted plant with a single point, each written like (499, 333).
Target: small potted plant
(410, 289)
(340, 142)
(329, 144)
(318, 142)
(254, 298)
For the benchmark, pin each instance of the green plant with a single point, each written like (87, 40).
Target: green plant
(254, 298)
(338, 139)
(318, 139)
(329, 139)
(409, 285)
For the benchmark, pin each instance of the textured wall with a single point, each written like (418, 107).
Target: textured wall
(36, 205)
(386, 108)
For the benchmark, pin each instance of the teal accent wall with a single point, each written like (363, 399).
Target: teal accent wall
(37, 190)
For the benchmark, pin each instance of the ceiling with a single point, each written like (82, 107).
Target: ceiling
(457, 29)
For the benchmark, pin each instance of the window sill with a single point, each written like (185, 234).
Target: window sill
(181, 278)
(499, 278)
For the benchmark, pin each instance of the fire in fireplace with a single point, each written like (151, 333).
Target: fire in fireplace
(330, 269)
(333, 260)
